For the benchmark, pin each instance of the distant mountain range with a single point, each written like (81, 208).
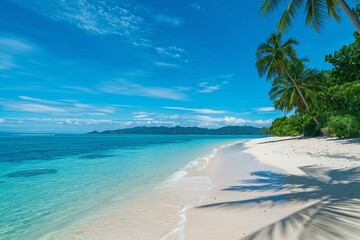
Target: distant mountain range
(231, 130)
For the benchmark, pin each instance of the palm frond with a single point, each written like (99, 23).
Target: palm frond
(269, 6)
(316, 13)
(289, 14)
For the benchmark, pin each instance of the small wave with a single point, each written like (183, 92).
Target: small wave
(200, 162)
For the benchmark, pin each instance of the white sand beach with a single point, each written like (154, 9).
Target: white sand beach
(269, 188)
(281, 188)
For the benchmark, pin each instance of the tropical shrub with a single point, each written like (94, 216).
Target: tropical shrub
(344, 99)
(310, 129)
(287, 126)
(345, 126)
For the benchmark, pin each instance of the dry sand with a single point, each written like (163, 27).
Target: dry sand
(281, 188)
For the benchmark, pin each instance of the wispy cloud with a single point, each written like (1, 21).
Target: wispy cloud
(31, 107)
(206, 87)
(170, 20)
(60, 107)
(70, 124)
(198, 110)
(81, 89)
(95, 17)
(10, 49)
(197, 6)
(6, 61)
(208, 121)
(212, 84)
(143, 117)
(172, 51)
(265, 109)
(164, 64)
(125, 18)
(124, 87)
(12, 45)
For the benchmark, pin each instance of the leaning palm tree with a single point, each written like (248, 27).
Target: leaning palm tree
(316, 12)
(284, 93)
(275, 58)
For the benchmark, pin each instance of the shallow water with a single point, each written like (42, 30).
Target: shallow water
(50, 182)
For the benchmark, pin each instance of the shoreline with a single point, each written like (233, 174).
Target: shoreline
(281, 188)
(248, 189)
(156, 214)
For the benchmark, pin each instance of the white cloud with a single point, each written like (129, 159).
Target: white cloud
(197, 6)
(6, 62)
(198, 110)
(164, 64)
(95, 17)
(230, 121)
(124, 87)
(141, 116)
(10, 50)
(172, 51)
(170, 20)
(208, 88)
(212, 84)
(125, 18)
(265, 109)
(173, 117)
(37, 100)
(31, 107)
(68, 124)
(12, 45)
(61, 107)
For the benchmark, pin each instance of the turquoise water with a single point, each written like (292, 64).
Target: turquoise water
(48, 182)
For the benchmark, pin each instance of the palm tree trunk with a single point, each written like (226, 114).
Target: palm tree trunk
(350, 14)
(300, 93)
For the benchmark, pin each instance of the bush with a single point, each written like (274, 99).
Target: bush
(310, 128)
(345, 126)
(327, 132)
(287, 126)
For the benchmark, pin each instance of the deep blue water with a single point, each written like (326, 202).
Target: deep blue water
(49, 181)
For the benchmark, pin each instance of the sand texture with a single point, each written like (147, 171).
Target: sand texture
(281, 188)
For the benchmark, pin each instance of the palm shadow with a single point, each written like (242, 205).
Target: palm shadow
(334, 195)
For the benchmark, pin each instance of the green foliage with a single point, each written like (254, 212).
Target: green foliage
(294, 125)
(346, 63)
(275, 55)
(316, 12)
(345, 126)
(310, 129)
(344, 99)
(284, 94)
(265, 130)
(287, 126)
(330, 98)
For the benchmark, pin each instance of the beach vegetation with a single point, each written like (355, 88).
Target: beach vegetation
(322, 102)
(276, 60)
(287, 126)
(345, 126)
(316, 11)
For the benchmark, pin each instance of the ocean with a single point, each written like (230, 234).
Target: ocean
(51, 182)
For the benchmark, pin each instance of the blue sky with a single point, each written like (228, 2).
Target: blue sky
(80, 65)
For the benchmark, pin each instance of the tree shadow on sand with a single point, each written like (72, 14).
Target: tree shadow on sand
(333, 194)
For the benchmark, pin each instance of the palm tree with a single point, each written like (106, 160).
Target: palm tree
(316, 12)
(275, 59)
(284, 93)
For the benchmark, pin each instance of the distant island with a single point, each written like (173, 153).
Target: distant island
(230, 130)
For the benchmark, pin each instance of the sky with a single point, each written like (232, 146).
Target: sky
(73, 66)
